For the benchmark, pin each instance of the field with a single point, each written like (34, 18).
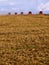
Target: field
(24, 40)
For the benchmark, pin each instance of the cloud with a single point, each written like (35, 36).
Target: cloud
(24, 5)
(12, 3)
(44, 7)
(3, 9)
(3, 0)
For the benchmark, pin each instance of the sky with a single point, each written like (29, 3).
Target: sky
(24, 5)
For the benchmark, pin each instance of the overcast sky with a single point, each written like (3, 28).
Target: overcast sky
(24, 5)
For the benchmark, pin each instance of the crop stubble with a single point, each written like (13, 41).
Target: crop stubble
(24, 40)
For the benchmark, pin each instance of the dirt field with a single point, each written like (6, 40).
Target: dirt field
(24, 40)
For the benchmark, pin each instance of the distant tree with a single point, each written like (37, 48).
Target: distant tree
(41, 12)
(21, 12)
(9, 13)
(15, 13)
(30, 12)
